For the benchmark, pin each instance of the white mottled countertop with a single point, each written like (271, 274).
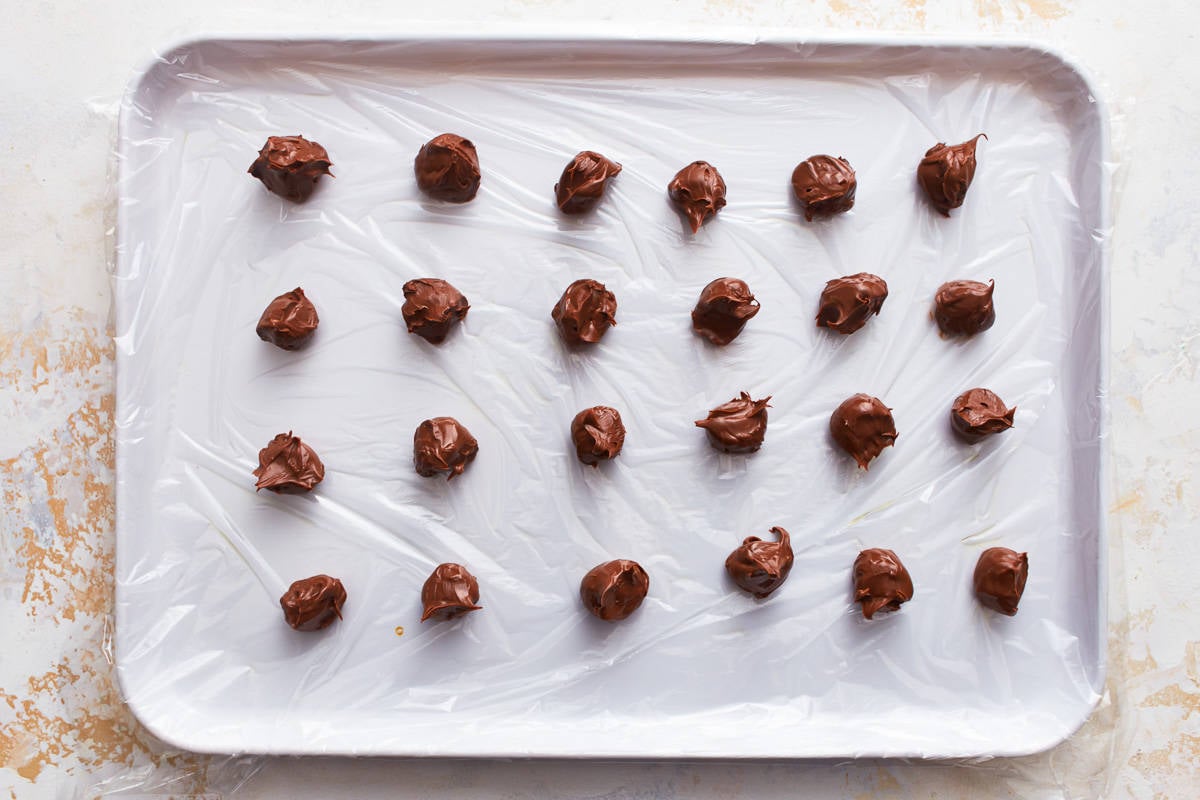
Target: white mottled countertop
(63, 729)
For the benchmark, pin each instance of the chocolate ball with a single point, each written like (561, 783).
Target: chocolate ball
(738, 426)
(964, 308)
(614, 590)
(288, 466)
(585, 312)
(583, 182)
(432, 307)
(698, 191)
(761, 567)
(881, 583)
(290, 166)
(1000, 576)
(443, 445)
(447, 168)
(862, 426)
(824, 185)
(724, 308)
(946, 172)
(288, 321)
(847, 303)
(598, 434)
(313, 603)
(978, 413)
(449, 592)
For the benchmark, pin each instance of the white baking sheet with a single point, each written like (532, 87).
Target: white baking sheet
(702, 670)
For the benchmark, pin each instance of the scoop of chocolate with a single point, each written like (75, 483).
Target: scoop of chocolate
(977, 413)
(585, 312)
(313, 603)
(761, 567)
(880, 582)
(449, 592)
(724, 308)
(862, 426)
(288, 466)
(289, 321)
(1000, 577)
(697, 190)
(614, 590)
(964, 308)
(447, 168)
(824, 185)
(583, 182)
(738, 426)
(847, 303)
(289, 166)
(432, 307)
(598, 434)
(442, 444)
(945, 173)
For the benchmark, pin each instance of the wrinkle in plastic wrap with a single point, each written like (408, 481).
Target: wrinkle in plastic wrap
(701, 669)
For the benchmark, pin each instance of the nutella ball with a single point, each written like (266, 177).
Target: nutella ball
(862, 426)
(313, 603)
(761, 567)
(290, 166)
(443, 445)
(598, 434)
(614, 590)
(449, 592)
(724, 308)
(1000, 576)
(583, 182)
(738, 426)
(447, 168)
(847, 303)
(978, 413)
(964, 308)
(824, 185)
(432, 307)
(585, 312)
(698, 191)
(946, 172)
(288, 466)
(289, 321)
(881, 583)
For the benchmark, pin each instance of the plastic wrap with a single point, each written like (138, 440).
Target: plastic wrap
(702, 670)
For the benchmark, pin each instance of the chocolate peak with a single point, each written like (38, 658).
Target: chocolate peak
(432, 307)
(862, 426)
(824, 185)
(1000, 577)
(614, 590)
(946, 172)
(724, 308)
(288, 321)
(313, 603)
(447, 168)
(698, 190)
(443, 445)
(583, 182)
(585, 312)
(847, 303)
(964, 308)
(881, 583)
(449, 592)
(738, 426)
(288, 466)
(289, 166)
(598, 434)
(977, 413)
(761, 567)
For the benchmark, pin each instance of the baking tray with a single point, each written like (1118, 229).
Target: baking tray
(701, 670)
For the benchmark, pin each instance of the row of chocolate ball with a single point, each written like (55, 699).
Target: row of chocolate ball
(612, 591)
(447, 168)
